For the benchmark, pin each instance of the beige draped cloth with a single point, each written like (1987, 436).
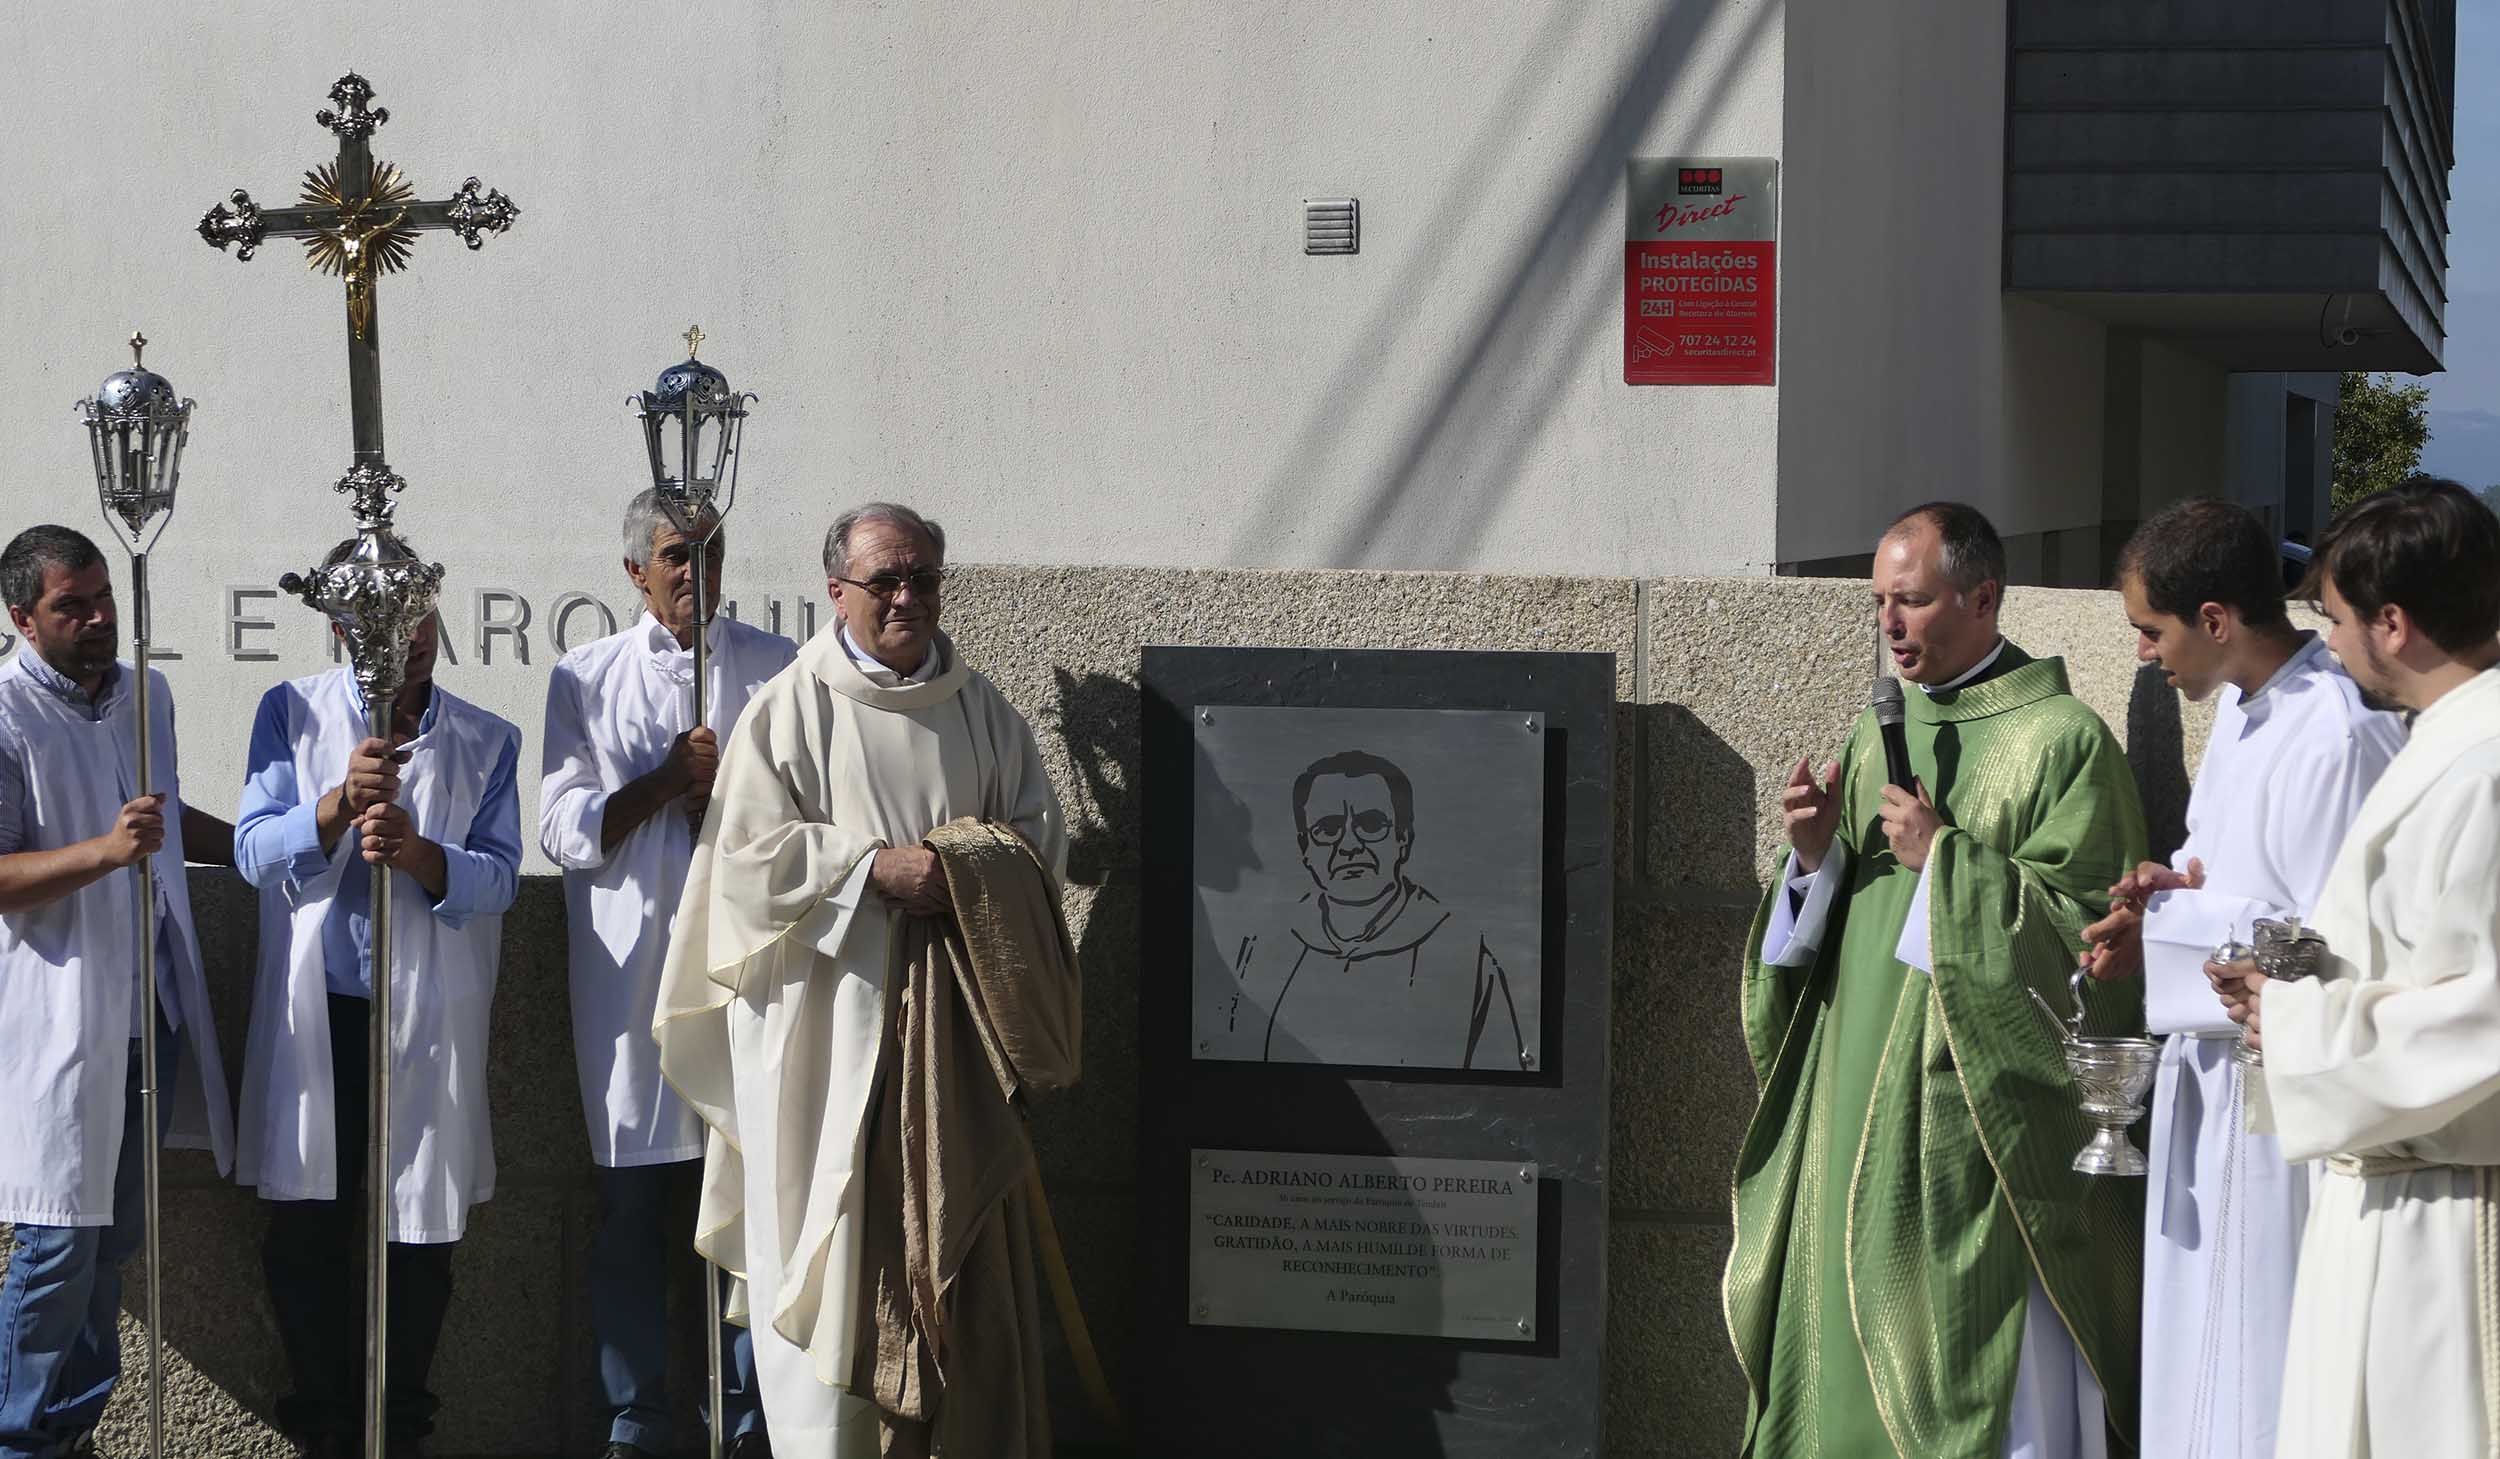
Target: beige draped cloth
(988, 1011)
(772, 1004)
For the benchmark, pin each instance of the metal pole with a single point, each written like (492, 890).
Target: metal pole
(364, 390)
(151, 1158)
(379, 714)
(364, 347)
(715, 1426)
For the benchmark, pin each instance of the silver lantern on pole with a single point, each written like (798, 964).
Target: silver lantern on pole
(137, 429)
(378, 592)
(692, 422)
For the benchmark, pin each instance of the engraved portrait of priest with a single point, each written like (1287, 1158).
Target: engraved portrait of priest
(1371, 968)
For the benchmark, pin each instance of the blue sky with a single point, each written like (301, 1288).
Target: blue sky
(2465, 398)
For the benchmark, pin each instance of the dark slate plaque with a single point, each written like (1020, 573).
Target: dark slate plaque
(1227, 1382)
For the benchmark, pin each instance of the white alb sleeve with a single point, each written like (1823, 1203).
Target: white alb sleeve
(1798, 918)
(1913, 948)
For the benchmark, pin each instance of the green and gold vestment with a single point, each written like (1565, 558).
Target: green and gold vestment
(1907, 1169)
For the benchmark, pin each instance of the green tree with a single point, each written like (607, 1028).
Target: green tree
(2380, 426)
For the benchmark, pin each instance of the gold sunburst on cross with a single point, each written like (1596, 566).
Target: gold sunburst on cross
(359, 220)
(368, 234)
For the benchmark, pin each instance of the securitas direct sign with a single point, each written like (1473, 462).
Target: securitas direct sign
(1700, 271)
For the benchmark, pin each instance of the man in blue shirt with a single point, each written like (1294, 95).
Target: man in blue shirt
(325, 802)
(73, 822)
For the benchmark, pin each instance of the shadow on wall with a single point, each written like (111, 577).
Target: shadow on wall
(2156, 752)
(1462, 448)
(1692, 802)
(1097, 721)
(1086, 1138)
(1682, 1084)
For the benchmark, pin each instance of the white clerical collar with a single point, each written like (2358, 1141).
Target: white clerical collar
(877, 673)
(1973, 672)
(2312, 648)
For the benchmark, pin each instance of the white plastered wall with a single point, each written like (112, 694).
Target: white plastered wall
(1035, 267)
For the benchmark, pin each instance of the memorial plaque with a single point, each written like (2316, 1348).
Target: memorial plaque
(1363, 1243)
(1364, 1296)
(1369, 886)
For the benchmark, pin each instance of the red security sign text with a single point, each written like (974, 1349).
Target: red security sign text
(1700, 275)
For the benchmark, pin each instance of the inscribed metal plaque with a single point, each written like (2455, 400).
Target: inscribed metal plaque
(1363, 1243)
(1370, 886)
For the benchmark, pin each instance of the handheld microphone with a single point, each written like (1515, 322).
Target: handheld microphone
(1888, 716)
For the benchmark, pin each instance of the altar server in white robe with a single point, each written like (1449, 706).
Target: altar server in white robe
(773, 998)
(73, 820)
(627, 775)
(326, 802)
(2387, 1066)
(2292, 752)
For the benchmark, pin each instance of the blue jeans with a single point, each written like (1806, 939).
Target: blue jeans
(645, 1213)
(60, 1348)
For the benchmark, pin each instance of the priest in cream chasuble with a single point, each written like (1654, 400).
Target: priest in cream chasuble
(790, 936)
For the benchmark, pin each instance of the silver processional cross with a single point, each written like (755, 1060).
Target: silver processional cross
(359, 220)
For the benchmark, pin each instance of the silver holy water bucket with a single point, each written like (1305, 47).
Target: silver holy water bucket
(2112, 1078)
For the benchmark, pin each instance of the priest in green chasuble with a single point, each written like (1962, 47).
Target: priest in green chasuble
(1917, 1268)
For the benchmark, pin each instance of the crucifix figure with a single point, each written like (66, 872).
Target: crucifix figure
(358, 220)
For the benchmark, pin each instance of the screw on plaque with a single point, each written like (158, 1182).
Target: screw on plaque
(1524, 1327)
(1527, 1172)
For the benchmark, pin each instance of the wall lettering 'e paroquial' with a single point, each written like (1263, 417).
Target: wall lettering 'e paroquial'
(499, 627)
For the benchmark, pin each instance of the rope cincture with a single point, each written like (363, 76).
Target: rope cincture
(2487, 1298)
(2201, 1414)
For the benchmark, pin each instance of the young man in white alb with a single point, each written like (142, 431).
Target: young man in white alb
(2293, 751)
(2387, 1065)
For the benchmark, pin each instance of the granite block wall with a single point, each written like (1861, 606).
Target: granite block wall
(1722, 684)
